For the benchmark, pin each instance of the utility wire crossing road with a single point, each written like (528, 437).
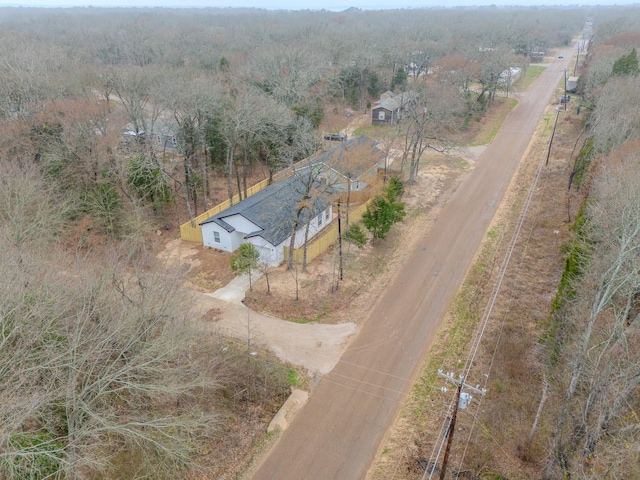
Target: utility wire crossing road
(339, 432)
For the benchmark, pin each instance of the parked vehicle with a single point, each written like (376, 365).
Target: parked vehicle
(338, 137)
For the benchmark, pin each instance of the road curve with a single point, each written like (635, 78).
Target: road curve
(337, 435)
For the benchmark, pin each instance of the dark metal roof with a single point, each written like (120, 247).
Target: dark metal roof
(274, 208)
(337, 157)
(396, 102)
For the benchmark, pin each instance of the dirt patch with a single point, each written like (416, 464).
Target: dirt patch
(206, 269)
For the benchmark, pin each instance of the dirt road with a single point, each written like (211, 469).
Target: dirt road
(338, 433)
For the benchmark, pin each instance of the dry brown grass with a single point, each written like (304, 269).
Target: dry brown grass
(496, 441)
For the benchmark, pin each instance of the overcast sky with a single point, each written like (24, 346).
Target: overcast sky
(303, 4)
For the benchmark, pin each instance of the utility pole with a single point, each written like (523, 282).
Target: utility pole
(565, 90)
(462, 400)
(553, 133)
(339, 242)
(450, 431)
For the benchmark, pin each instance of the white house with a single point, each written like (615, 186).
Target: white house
(509, 77)
(266, 219)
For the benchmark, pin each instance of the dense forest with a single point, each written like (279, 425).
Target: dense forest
(120, 122)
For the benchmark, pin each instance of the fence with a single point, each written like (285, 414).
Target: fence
(315, 248)
(321, 244)
(194, 233)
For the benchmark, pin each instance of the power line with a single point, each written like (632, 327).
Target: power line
(489, 308)
(516, 235)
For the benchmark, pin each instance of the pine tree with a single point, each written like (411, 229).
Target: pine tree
(626, 65)
(246, 260)
(399, 79)
(385, 209)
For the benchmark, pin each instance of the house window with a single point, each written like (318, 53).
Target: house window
(381, 115)
(216, 237)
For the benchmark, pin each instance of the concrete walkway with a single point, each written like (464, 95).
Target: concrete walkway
(235, 290)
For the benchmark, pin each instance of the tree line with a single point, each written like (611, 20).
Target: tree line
(111, 121)
(593, 355)
(236, 90)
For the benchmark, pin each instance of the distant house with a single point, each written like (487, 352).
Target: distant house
(389, 109)
(351, 165)
(266, 219)
(415, 70)
(509, 77)
(162, 138)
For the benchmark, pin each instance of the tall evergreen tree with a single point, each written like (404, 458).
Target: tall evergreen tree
(626, 65)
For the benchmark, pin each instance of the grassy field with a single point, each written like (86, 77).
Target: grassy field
(531, 73)
(493, 121)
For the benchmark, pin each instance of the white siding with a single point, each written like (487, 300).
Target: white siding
(237, 238)
(313, 228)
(268, 253)
(226, 242)
(241, 224)
(273, 255)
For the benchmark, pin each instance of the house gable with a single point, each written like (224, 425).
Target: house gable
(381, 116)
(388, 110)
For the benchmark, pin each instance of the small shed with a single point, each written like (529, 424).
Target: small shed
(389, 109)
(572, 84)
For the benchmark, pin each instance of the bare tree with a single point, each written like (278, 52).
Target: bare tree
(603, 377)
(494, 61)
(240, 115)
(291, 72)
(95, 364)
(355, 165)
(192, 102)
(134, 87)
(427, 123)
(31, 211)
(284, 141)
(27, 73)
(420, 58)
(612, 122)
(458, 70)
(311, 193)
